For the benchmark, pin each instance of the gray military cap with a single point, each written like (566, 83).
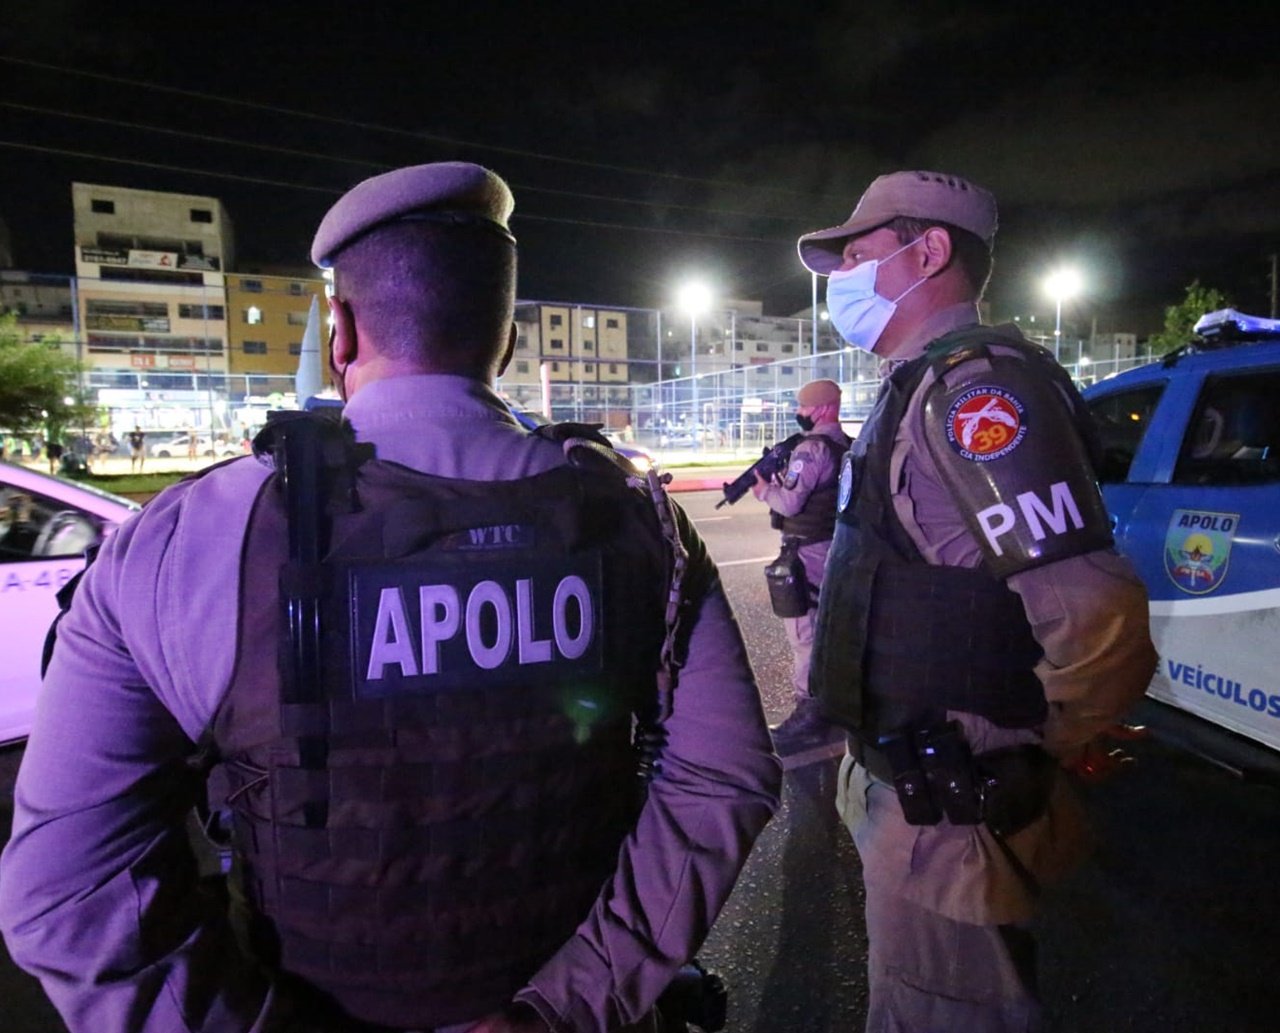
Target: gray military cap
(445, 191)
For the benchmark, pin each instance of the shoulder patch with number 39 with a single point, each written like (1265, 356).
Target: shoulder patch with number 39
(986, 423)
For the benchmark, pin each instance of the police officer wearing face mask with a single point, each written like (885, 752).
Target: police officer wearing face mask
(802, 504)
(438, 825)
(976, 629)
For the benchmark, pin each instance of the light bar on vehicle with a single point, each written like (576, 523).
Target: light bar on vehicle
(1227, 322)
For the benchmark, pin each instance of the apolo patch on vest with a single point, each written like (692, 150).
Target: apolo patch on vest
(986, 423)
(1197, 547)
(424, 627)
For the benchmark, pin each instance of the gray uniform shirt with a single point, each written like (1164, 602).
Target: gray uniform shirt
(96, 896)
(1088, 613)
(812, 466)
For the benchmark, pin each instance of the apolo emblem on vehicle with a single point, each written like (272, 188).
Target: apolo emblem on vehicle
(1197, 548)
(986, 423)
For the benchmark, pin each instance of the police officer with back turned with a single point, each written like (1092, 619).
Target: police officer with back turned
(976, 628)
(802, 505)
(424, 640)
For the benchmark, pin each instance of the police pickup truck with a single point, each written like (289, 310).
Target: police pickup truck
(1191, 478)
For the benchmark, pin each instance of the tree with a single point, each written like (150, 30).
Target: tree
(38, 384)
(1180, 318)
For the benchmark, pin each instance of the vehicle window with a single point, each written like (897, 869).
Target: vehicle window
(1123, 419)
(35, 527)
(1234, 434)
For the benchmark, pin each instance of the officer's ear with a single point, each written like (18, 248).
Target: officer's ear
(342, 334)
(511, 347)
(935, 251)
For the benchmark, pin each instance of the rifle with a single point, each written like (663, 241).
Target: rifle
(770, 462)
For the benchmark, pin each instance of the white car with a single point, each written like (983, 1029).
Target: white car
(177, 446)
(46, 523)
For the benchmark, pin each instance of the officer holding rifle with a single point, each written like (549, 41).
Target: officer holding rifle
(802, 505)
(976, 628)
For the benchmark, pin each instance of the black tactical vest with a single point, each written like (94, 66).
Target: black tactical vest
(817, 521)
(420, 831)
(899, 641)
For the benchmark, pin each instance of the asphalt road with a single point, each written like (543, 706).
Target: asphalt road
(1169, 928)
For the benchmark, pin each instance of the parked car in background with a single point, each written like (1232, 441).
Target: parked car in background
(46, 524)
(206, 447)
(1191, 477)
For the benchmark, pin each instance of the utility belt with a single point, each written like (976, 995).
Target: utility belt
(935, 774)
(790, 594)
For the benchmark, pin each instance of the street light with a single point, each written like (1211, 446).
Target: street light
(1061, 285)
(694, 299)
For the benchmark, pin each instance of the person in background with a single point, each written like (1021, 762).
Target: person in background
(53, 452)
(802, 505)
(137, 452)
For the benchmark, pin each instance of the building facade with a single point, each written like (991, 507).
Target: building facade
(266, 319)
(150, 299)
(42, 306)
(573, 356)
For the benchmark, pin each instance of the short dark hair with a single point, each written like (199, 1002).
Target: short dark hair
(443, 293)
(968, 250)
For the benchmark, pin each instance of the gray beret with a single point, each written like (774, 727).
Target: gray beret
(445, 191)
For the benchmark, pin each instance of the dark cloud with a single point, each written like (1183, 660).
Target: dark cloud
(1140, 140)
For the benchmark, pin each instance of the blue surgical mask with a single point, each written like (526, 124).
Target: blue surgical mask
(857, 311)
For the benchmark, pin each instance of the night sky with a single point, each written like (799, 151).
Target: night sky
(649, 141)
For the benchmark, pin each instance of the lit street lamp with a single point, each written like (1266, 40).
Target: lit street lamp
(1061, 285)
(694, 299)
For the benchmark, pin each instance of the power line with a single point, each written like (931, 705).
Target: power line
(393, 130)
(66, 153)
(188, 135)
(333, 192)
(316, 156)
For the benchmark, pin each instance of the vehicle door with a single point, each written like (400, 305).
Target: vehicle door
(42, 544)
(1204, 532)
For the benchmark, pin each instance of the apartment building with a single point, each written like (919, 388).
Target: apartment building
(569, 345)
(151, 297)
(266, 319)
(42, 306)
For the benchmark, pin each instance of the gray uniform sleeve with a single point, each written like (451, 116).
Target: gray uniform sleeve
(719, 785)
(811, 466)
(1089, 614)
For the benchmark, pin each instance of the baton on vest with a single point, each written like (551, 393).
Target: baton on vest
(299, 452)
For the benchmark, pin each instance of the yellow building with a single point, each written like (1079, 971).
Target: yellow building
(266, 318)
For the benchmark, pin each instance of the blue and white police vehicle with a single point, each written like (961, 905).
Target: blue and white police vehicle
(1191, 477)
